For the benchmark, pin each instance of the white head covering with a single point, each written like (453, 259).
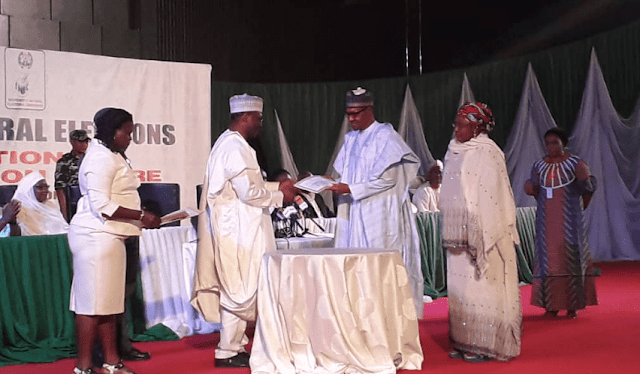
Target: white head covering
(245, 103)
(36, 218)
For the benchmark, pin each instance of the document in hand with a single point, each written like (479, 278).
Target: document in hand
(315, 183)
(178, 215)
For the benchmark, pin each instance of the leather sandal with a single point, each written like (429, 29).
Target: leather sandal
(572, 314)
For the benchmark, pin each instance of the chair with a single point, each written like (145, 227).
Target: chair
(6, 193)
(73, 195)
(160, 198)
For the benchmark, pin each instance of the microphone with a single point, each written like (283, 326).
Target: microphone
(285, 221)
(304, 207)
(290, 212)
(277, 215)
(301, 203)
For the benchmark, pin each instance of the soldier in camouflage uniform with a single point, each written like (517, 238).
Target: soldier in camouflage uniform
(67, 168)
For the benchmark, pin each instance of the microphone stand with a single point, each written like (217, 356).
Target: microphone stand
(294, 222)
(317, 224)
(303, 211)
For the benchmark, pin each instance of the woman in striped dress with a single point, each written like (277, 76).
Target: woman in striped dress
(563, 273)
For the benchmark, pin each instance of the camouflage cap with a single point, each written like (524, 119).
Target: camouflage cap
(80, 135)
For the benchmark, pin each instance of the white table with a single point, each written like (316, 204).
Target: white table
(333, 311)
(167, 266)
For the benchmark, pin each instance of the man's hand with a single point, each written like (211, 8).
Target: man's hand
(289, 191)
(340, 188)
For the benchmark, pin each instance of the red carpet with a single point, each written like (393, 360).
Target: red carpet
(603, 339)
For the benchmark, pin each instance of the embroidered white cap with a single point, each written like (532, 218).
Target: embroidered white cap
(245, 103)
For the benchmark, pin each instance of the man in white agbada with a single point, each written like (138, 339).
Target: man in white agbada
(426, 197)
(235, 231)
(375, 167)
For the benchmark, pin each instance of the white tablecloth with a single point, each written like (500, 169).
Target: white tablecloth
(335, 311)
(167, 261)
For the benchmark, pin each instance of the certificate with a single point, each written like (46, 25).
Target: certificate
(315, 183)
(178, 215)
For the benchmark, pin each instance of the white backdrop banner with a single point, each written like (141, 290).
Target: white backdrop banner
(48, 94)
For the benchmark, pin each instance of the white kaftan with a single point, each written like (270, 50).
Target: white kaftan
(235, 230)
(426, 198)
(378, 166)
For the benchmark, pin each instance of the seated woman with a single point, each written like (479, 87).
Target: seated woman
(427, 197)
(38, 215)
(8, 224)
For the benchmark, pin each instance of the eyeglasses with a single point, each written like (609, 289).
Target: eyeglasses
(42, 186)
(356, 113)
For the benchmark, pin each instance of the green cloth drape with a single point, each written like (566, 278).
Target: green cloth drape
(434, 261)
(525, 252)
(35, 278)
(35, 322)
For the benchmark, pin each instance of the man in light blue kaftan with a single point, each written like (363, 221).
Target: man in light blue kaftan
(375, 167)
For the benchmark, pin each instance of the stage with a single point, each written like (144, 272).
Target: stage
(601, 340)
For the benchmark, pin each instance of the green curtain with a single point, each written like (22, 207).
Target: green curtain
(312, 113)
(35, 321)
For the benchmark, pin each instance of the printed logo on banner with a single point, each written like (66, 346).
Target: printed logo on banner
(24, 79)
